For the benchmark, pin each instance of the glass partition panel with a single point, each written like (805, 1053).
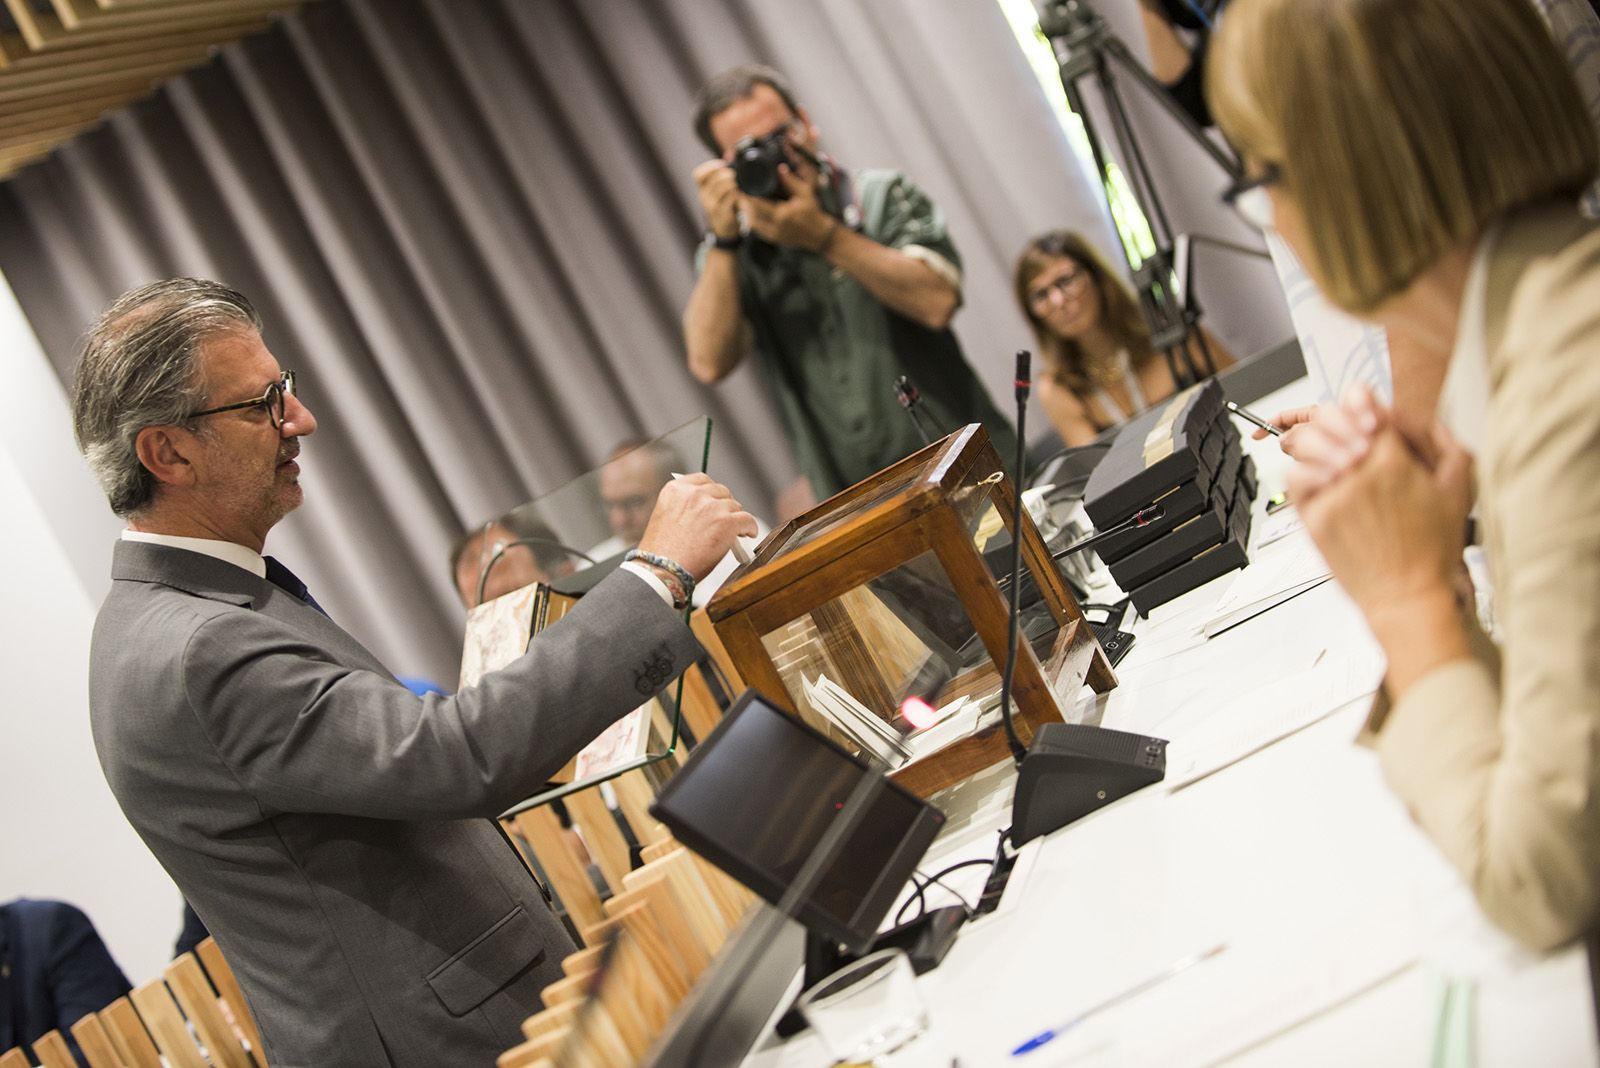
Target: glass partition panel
(526, 567)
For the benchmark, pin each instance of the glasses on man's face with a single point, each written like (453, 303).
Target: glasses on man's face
(1248, 196)
(275, 401)
(1070, 284)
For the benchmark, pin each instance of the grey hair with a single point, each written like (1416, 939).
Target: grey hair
(139, 367)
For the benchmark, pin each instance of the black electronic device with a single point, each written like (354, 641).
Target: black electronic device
(1072, 769)
(755, 165)
(757, 796)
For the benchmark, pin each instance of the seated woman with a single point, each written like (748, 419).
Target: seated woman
(1450, 219)
(1099, 366)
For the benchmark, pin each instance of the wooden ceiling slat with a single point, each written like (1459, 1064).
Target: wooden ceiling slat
(39, 119)
(44, 32)
(84, 15)
(16, 55)
(143, 75)
(127, 63)
(71, 61)
(55, 135)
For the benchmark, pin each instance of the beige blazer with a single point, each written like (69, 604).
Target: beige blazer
(1498, 756)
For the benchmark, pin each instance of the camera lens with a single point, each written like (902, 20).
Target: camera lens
(755, 167)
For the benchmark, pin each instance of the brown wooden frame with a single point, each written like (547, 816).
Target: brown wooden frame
(921, 515)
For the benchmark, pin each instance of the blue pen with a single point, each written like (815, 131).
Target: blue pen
(1177, 966)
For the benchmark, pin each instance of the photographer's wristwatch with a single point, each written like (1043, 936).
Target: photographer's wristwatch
(726, 244)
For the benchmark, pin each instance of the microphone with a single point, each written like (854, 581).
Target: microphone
(500, 550)
(1071, 769)
(906, 392)
(1142, 518)
(1024, 383)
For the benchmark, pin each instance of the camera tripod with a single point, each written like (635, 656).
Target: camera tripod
(1085, 47)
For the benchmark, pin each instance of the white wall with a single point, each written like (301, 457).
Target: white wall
(62, 835)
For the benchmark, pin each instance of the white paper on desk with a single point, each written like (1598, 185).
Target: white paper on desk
(1276, 526)
(1291, 566)
(1275, 711)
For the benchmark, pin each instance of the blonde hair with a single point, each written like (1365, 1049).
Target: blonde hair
(1119, 311)
(1399, 127)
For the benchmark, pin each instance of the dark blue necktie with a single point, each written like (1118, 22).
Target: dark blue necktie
(287, 580)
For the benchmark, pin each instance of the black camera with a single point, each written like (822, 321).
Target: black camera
(755, 165)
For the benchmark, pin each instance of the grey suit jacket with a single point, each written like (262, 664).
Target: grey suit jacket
(332, 829)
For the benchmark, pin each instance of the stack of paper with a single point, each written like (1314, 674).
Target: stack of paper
(871, 734)
(1291, 567)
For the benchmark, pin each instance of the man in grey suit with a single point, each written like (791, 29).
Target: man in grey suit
(332, 829)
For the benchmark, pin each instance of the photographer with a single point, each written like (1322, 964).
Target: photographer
(841, 281)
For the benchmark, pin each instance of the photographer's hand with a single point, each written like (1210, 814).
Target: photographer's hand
(798, 221)
(719, 197)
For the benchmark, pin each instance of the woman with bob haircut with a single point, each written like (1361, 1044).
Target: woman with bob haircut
(1099, 366)
(1423, 158)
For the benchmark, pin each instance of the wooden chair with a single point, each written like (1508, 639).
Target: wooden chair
(189, 984)
(128, 1036)
(166, 1025)
(593, 818)
(228, 990)
(638, 928)
(95, 1043)
(569, 879)
(15, 1058)
(52, 1051)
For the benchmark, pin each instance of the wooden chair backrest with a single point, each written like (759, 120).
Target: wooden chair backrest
(568, 877)
(128, 1035)
(95, 1043)
(52, 1051)
(166, 1025)
(228, 989)
(15, 1058)
(199, 1002)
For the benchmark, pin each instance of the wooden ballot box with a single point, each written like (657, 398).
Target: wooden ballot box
(880, 617)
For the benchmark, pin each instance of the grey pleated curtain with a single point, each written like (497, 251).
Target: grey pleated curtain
(469, 225)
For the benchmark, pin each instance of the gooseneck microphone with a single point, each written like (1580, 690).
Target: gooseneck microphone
(1142, 518)
(1071, 769)
(500, 550)
(1024, 383)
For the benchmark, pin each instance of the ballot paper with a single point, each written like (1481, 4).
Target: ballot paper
(870, 734)
(1287, 568)
(1264, 715)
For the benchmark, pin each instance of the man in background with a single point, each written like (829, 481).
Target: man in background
(631, 479)
(503, 560)
(54, 970)
(841, 281)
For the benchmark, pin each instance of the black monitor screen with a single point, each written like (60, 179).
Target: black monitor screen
(757, 796)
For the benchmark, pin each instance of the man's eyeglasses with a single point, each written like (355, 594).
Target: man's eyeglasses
(1068, 285)
(1248, 196)
(275, 401)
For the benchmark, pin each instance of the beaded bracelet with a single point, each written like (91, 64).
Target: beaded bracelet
(671, 567)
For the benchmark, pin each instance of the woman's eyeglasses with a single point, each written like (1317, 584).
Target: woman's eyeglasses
(1070, 284)
(1248, 196)
(275, 401)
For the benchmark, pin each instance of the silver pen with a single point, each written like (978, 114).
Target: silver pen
(1251, 417)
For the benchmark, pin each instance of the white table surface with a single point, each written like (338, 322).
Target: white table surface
(1297, 859)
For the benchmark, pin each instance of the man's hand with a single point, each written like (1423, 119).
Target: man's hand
(694, 524)
(719, 197)
(798, 221)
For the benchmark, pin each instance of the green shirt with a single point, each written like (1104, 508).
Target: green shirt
(832, 352)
